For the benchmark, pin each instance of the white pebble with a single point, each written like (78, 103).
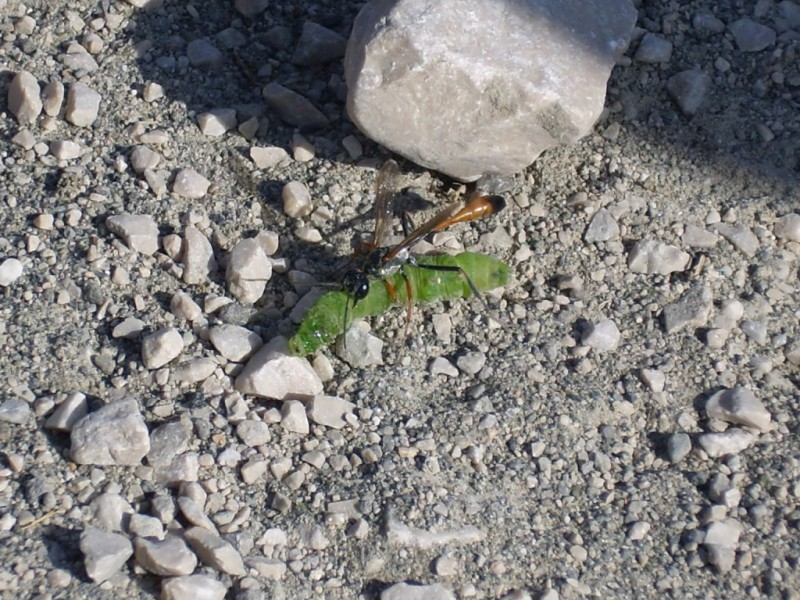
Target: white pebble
(139, 232)
(296, 199)
(234, 342)
(65, 149)
(602, 336)
(740, 406)
(161, 347)
(190, 184)
(788, 227)
(24, 97)
(441, 366)
(216, 122)
(10, 270)
(83, 104)
(294, 418)
(197, 256)
(329, 411)
(273, 373)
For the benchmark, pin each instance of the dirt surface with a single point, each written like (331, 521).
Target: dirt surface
(558, 452)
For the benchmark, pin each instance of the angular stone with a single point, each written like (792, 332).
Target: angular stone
(742, 238)
(273, 373)
(216, 122)
(143, 158)
(69, 412)
(104, 553)
(740, 406)
(318, 45)
(689, 90)
(253, 433)
(294, 418)
(788, 227)
(506, 81)
(751, 36)
(10, 270)
(329, 411)
(697, 237)
(293, 108)
(249, 269)
(654, 49)
(198, 257)
(194, 370)
(724, 443)
(691, 310)
(139, 232)
(656, 258)
(603, 335)
(234, 342)
(189, 183)
(161, 347)
(24, 99)
(110, 512)
(167, 441)
(83, 104)
(602, 227)
(214, 551)
(408, 591)
(269, 156)
(112, 435)
(193, 587)
(296, 199)
(168, 557)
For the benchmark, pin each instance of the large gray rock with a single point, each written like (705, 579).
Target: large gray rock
(470, 88)
(112, 435)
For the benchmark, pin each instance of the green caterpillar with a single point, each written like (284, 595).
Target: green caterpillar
(326, 319)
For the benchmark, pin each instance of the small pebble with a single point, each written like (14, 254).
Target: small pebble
(678, 447)
(24, 97)
(740, 406)
(602, 336)
(296, 200)
(217, 122)
(189, 183)
(161, 347)
(654, 257)
(83, 105)
(689, 90)
(249, 269)
(10, 270)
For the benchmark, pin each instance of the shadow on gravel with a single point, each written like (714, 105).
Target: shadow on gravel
(258, 51)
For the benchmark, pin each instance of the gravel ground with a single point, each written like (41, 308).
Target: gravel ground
(573, 451)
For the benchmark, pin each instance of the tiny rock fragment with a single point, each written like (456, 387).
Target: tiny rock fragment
(296, 199)
(10, 270)
(249, 269)
(193, 587)
(691, 310)
(112, 435)
(273, 373)
(83, 104)
(740, 406)
(654, 257)
(24, 97)
(654, 379)
(603, 336)
(329, 411)
(161, 347)
(189, 183)
(689, 90)
(217, 122)
(110, 512)
(293, 108)
(139, 232)
(104, 553)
